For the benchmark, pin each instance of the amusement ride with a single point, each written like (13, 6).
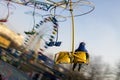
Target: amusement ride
(47, 28)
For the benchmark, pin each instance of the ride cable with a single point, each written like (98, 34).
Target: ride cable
(5, 19)
(33, 30)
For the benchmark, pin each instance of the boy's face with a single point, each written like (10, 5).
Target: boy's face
(82, 43)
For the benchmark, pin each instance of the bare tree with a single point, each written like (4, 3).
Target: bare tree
(97, 69)
(118, 70)
(108, 73)
(75, 75)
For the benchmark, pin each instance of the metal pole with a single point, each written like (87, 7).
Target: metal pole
(72, 17)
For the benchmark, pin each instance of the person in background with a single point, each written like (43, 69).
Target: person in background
(1, 78)
(36, 76)
(81, 48)
(0, 50)
(3, 56)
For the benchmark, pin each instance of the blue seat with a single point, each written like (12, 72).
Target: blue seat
(58, 43)
(50, 43)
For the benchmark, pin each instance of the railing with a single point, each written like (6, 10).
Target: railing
(9, 72)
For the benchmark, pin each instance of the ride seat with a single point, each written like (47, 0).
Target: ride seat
(62, 57)
(80, 57)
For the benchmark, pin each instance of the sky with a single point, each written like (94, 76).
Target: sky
(99, 29)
